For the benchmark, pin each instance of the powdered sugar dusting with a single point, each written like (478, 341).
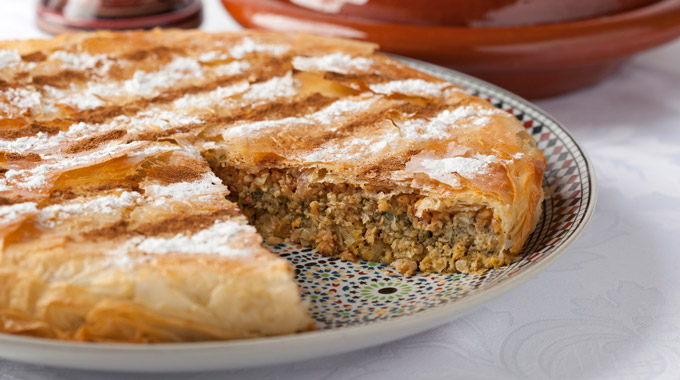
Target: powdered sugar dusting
(142, 83)
(352, 149)
(42, 142)
(155, 119)
(22, 98)
(248, 45)
(277, 87)
(210, 99)
(88, 98)
(145, 83)
(83, 101)
(465, 166)
(481, 121)
(212, 56)
(437, 127)
(341, 108)
(207, 184)
(327, 117)
(216, 240)
(337, 62)
(443, 169)
(83, 61)
(50, 216)
(8, 58)
(414, 87)
(10, 213)
(231, 68)
(152, 119)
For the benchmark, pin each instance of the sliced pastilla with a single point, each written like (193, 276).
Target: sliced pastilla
(142, 248)
(117, 151)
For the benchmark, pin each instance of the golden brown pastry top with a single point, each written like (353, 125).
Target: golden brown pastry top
(258, 99)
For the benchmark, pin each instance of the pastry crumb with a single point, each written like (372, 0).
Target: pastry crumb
(405, 267)
(349, 256)
(274, 240)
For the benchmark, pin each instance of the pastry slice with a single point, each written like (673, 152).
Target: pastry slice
(140, 247)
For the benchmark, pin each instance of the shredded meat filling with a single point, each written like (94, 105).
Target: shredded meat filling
(358, 223)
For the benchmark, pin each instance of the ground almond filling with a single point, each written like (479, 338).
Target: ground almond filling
(355, 223)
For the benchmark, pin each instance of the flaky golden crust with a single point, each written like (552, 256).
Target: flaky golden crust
(145, 250)
(114, 229)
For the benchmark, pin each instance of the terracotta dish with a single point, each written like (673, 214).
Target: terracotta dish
(532, 61)
(489, 13)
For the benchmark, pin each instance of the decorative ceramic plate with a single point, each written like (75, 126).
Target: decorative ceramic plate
(357, 305)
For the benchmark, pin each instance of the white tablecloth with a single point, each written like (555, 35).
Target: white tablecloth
(608, 309)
